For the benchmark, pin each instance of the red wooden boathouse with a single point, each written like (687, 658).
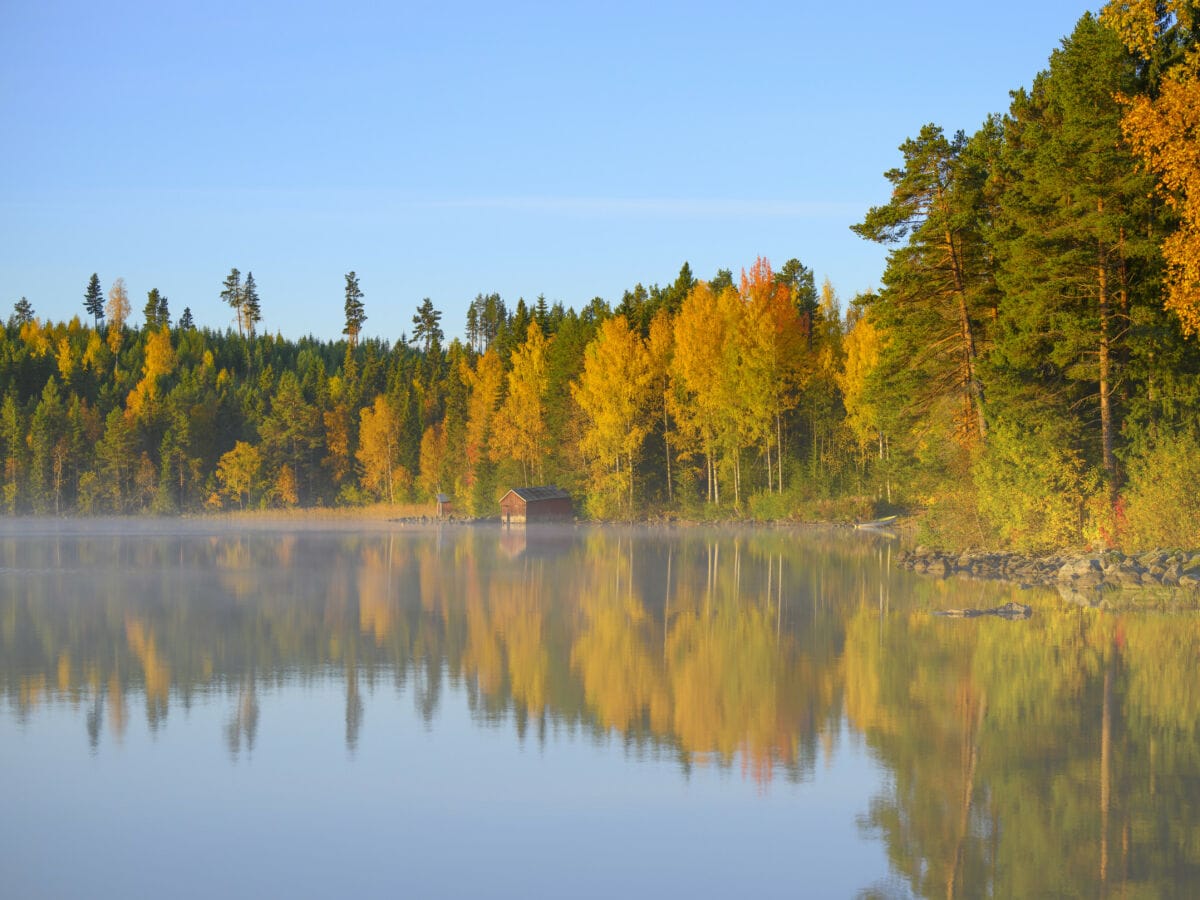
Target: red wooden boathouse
(535, 504)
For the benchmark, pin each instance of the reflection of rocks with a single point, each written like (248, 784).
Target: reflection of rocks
(1082, 595)
(1076, 575)
(1010, 610)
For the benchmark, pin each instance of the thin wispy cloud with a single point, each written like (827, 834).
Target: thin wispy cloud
(652, 206)
(362, 201)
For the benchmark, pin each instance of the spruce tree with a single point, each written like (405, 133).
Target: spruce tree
(231, 293)
(251, 306)
(473, 325)
(355, 313)
(22, 313)
(93, 300)
(427, 331)
(1074, 247)
(151, 311)
(47, 450)
(803, 287)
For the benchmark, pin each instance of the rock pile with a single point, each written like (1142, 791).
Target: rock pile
(1157, 568)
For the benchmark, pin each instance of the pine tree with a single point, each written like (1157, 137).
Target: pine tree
(186, 322)
(251, 305)
(427, 331)
(48, 445)
(292, 434)
(231, 293)
(355, 314)
(93, 300)
(154, 302)
(473, 326)
(673, 296)
(722, 280)
(1074, 246)
(937, 293)
(22, 313)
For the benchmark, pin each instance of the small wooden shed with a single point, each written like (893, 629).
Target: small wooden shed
(445, 505)
(535, 504)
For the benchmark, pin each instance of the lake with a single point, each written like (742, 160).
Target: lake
(194, 709)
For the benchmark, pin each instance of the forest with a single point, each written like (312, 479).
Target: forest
(1026, 376)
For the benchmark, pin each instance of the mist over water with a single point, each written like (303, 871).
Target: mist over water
(263, 708)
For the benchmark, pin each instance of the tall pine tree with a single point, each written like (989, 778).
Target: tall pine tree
(1074, 245)
(355, 313)
(938, 289)
(93, 300)
(251, 305)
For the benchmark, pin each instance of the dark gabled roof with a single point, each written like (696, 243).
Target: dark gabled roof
(546, 492)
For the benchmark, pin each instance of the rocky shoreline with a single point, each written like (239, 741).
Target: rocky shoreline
(1110, 569)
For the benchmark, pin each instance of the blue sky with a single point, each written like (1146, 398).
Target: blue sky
(443, 150)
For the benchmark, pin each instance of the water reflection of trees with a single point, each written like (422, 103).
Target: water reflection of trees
(689, 643)
(1055, 755)
(1052, 757)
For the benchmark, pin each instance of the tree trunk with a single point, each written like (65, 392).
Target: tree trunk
(974, 388)
(737, 478)
(667, 453)
(779, 448)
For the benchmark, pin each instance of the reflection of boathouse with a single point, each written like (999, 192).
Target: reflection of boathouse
(535, 504)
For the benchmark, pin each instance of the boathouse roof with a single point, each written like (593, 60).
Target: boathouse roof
(543, 492)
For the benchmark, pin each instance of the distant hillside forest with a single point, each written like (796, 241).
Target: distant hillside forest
(1028, 374)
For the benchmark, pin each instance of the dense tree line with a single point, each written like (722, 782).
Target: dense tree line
(1027, 364)
(1028, 370)
(168, 417)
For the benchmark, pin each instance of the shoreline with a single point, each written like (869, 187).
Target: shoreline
(1083, 577)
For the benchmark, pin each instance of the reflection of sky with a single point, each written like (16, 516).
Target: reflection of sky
(450, 809)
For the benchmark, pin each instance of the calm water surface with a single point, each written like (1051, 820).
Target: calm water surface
(288, 711)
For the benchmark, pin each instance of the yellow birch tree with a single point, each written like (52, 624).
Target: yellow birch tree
(378, 450)
(160, 361)
(486, 382)
(773, 339)
(520, 431)
(660, 345)
(432, 459)
(117, 312)
(700, 338)
(613, 391)
(238, 470)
